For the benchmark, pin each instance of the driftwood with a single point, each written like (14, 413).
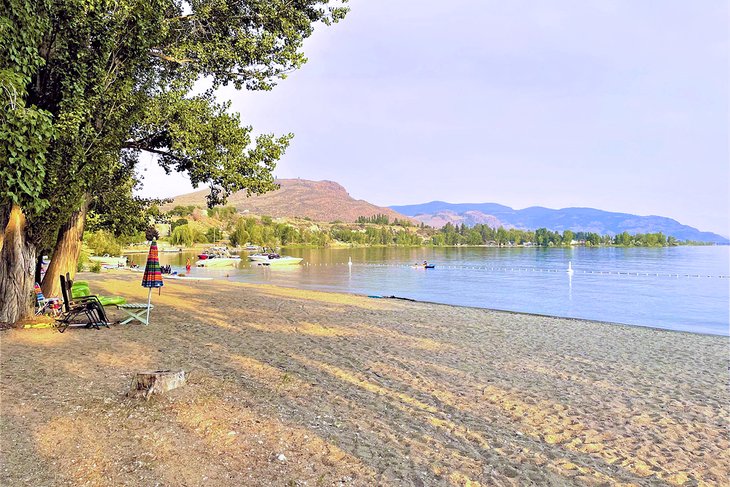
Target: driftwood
(156, 382)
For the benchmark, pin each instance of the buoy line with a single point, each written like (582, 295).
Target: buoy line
(569, 270)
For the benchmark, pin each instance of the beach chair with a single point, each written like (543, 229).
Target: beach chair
(81, 289)
(87, 307)
(45, 305)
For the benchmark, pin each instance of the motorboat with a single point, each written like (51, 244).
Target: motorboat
(212, 252)
(217, 257)
(218, 262)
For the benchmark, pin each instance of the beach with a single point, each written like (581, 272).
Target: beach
(294, 387)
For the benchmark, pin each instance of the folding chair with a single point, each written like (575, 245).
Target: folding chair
(86, 306)
(45, 305)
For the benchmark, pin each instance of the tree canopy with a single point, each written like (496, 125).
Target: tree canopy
(86, 86)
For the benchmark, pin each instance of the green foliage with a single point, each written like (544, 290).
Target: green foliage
(213, 234)
(198, 136)
(114, 207)
(83, 259)
(402, 223)
(103, 242)
(479, 234)
(181, 210)
(25, 129)
(87, 85)
(188, 235)
(378, 219)
(644, 240)
(95, 267)
(137, 237)
(178, 222)
(240, 236)
(222, 212)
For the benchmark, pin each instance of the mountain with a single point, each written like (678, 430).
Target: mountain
(322, 201)
(468, 218)
(438, 213)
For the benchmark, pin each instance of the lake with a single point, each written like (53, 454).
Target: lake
(677, 288)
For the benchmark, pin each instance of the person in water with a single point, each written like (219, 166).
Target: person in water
(187, 265)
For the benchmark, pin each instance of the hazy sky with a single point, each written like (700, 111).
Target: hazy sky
(617, 105)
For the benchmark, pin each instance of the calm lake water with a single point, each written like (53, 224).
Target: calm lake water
(666, 293)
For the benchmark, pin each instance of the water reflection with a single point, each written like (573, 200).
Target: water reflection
(570, 286)
(529, 279)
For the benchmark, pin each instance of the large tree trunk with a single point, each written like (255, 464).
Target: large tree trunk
(5, 210)
(66, 252)
(17, 263)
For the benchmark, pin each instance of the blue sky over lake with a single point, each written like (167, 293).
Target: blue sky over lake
(618, 105)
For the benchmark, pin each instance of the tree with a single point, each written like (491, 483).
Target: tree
(240, 235)
(177, 223)
(568, 236)
(187, 235)
(88, 85)
(25, 132)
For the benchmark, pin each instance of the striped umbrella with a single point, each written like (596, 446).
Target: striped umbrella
(152, 275)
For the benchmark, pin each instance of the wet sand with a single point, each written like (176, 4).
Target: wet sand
(293, 387)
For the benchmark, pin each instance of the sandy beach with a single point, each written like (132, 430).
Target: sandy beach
(291, 387)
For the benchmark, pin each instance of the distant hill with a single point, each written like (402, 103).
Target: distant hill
(438, 213)
(323, 201)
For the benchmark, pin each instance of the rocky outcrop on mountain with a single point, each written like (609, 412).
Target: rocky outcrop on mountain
(323, 201)
(468, 218)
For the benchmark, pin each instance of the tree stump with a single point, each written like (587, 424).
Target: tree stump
(156, 382)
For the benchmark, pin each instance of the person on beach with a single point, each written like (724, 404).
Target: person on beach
(187, 266)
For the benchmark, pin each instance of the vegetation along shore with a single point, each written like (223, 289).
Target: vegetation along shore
(186, 226)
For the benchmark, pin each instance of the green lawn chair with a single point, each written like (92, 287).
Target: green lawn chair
(81, 288)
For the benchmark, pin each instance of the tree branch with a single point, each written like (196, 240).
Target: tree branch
(161, 55)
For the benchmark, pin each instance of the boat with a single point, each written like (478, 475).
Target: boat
(273, 259)
(424, 266)
(212, 252)
(109, 260)
(171, 249)
(218, 262)
(215, 261)
(217, 257)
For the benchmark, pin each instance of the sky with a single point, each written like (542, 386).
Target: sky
(617, 105)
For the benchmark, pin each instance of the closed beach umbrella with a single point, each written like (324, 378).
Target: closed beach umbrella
(152, 275)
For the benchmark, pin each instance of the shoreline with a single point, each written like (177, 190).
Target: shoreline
(526, 313)
(351, 390)
(571, 318)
